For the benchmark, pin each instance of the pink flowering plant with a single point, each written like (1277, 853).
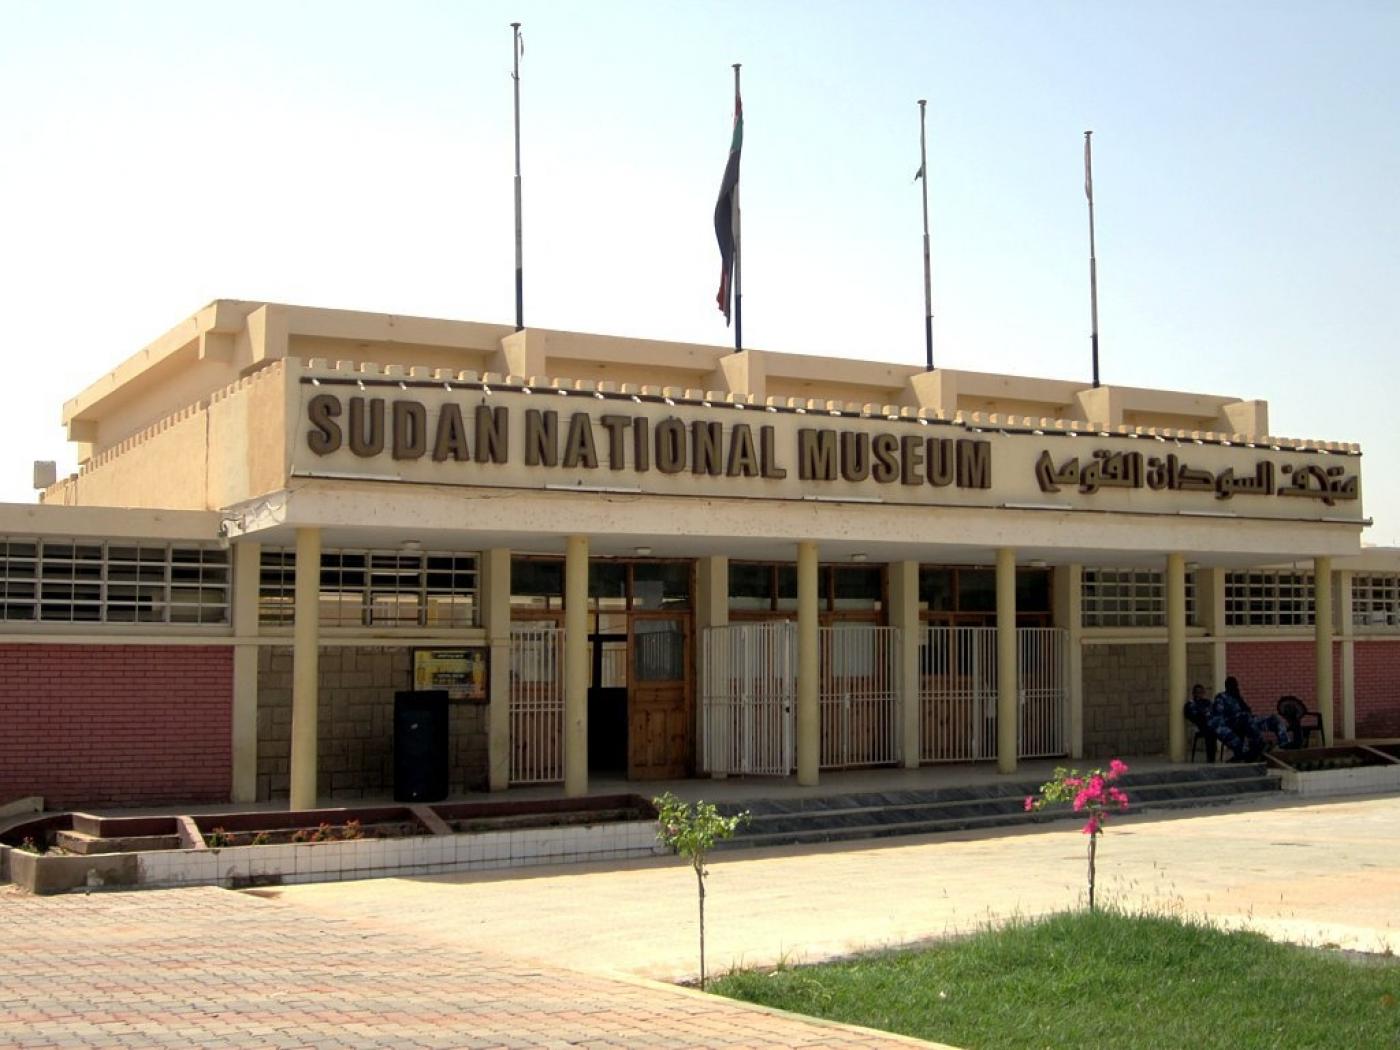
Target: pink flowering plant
(1094, 794)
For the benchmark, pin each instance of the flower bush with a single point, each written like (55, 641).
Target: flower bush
(1094, 793)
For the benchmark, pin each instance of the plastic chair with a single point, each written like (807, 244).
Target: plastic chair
(1302, 723)
(1203, 737)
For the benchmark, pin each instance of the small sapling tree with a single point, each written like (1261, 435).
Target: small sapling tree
(692, 832)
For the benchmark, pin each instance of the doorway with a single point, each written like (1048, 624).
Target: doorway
(641, 707)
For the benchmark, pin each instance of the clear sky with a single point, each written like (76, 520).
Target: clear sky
(1247, 160)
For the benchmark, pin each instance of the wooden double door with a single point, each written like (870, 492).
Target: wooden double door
(641, 712)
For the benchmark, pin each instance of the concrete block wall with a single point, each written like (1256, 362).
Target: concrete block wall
(355, 724)
(1125, 696)
(116, 725)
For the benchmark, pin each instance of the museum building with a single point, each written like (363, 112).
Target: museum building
(631, 559)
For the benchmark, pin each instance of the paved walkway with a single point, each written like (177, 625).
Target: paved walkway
(550, 957)
(1323, 873)
(210, 968)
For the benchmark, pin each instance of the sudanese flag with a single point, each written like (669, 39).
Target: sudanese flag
(727, 213)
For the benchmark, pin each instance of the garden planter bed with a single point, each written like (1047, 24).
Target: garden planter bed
(1354, 769)
(238, 850)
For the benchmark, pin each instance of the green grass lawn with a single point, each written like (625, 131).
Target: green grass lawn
(1100, 980)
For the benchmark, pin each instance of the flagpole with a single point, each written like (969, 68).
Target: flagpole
(928, 270)
(1093, 262)
(738, 284)
(519, 241)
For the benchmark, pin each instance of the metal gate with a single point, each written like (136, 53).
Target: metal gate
(859, 696)
(1040, 688)
(536, 703)
(958, 693)
(748, 693)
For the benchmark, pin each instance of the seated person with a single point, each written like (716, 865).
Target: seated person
(1239, 728)
(1197, 712)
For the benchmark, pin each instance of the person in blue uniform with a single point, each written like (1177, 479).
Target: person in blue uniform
(1239, 728)
(1197, 711)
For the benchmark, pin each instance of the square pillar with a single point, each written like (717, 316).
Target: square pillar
(1346, 628)
(1008, 691)
(904, 615)
(247, 562)
(1176, 656)
(576, 666)
(809, 724)
(1210, 609)
(711, 610)
(495, 610)
(306, 640)
(1069, 615)
(1322, 637)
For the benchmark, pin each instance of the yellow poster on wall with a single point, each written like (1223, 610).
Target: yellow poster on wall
(462, 672)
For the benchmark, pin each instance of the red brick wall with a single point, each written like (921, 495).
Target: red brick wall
(1269, 670)
(1378, 688)
(115, 725)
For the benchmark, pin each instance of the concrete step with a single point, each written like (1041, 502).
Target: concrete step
(832, 818)
(85, 844)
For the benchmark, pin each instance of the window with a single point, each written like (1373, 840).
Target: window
(1375, 600)
(1130, 598)
(769, 587)
(1268, 598)
(112, 581)
(966, 595)
(366, 588)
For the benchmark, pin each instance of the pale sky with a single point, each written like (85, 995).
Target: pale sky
(358, 155)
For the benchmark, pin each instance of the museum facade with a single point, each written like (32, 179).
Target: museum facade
(624, 558)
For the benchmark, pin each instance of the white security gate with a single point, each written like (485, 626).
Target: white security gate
(1040, 686)
(748, 698)
(536, 703)
(859, 696)
(958, 693)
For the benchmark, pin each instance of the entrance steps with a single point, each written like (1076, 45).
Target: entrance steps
(867, 815)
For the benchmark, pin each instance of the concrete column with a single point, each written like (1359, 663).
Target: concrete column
(306, 640)
(576, 666)
(247, 559)
(1176, 656)
(495, 618)
(1342, 620)
(1322, 598)
(809, 723)
(904, 615)
(711, 610)
(1210, 607)
(1008, 691)
(1069, 614)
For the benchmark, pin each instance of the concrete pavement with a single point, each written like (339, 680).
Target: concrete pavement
(1321, 873)
(558, 957)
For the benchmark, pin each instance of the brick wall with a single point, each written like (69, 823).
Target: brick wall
(355, 724)
(1125, 696)
(1269, 670)
(115, 725)
(1378, 688)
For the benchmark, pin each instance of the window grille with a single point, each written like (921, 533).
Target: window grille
(1130, 598)
(112, 581)
(375, 588)
(1375, 600)
(1268, 598)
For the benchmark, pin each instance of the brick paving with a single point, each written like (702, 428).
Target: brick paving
(210, 968)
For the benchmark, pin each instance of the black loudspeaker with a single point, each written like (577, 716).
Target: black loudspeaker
(420, 746)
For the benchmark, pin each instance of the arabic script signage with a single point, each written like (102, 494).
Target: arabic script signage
(1107, 469)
